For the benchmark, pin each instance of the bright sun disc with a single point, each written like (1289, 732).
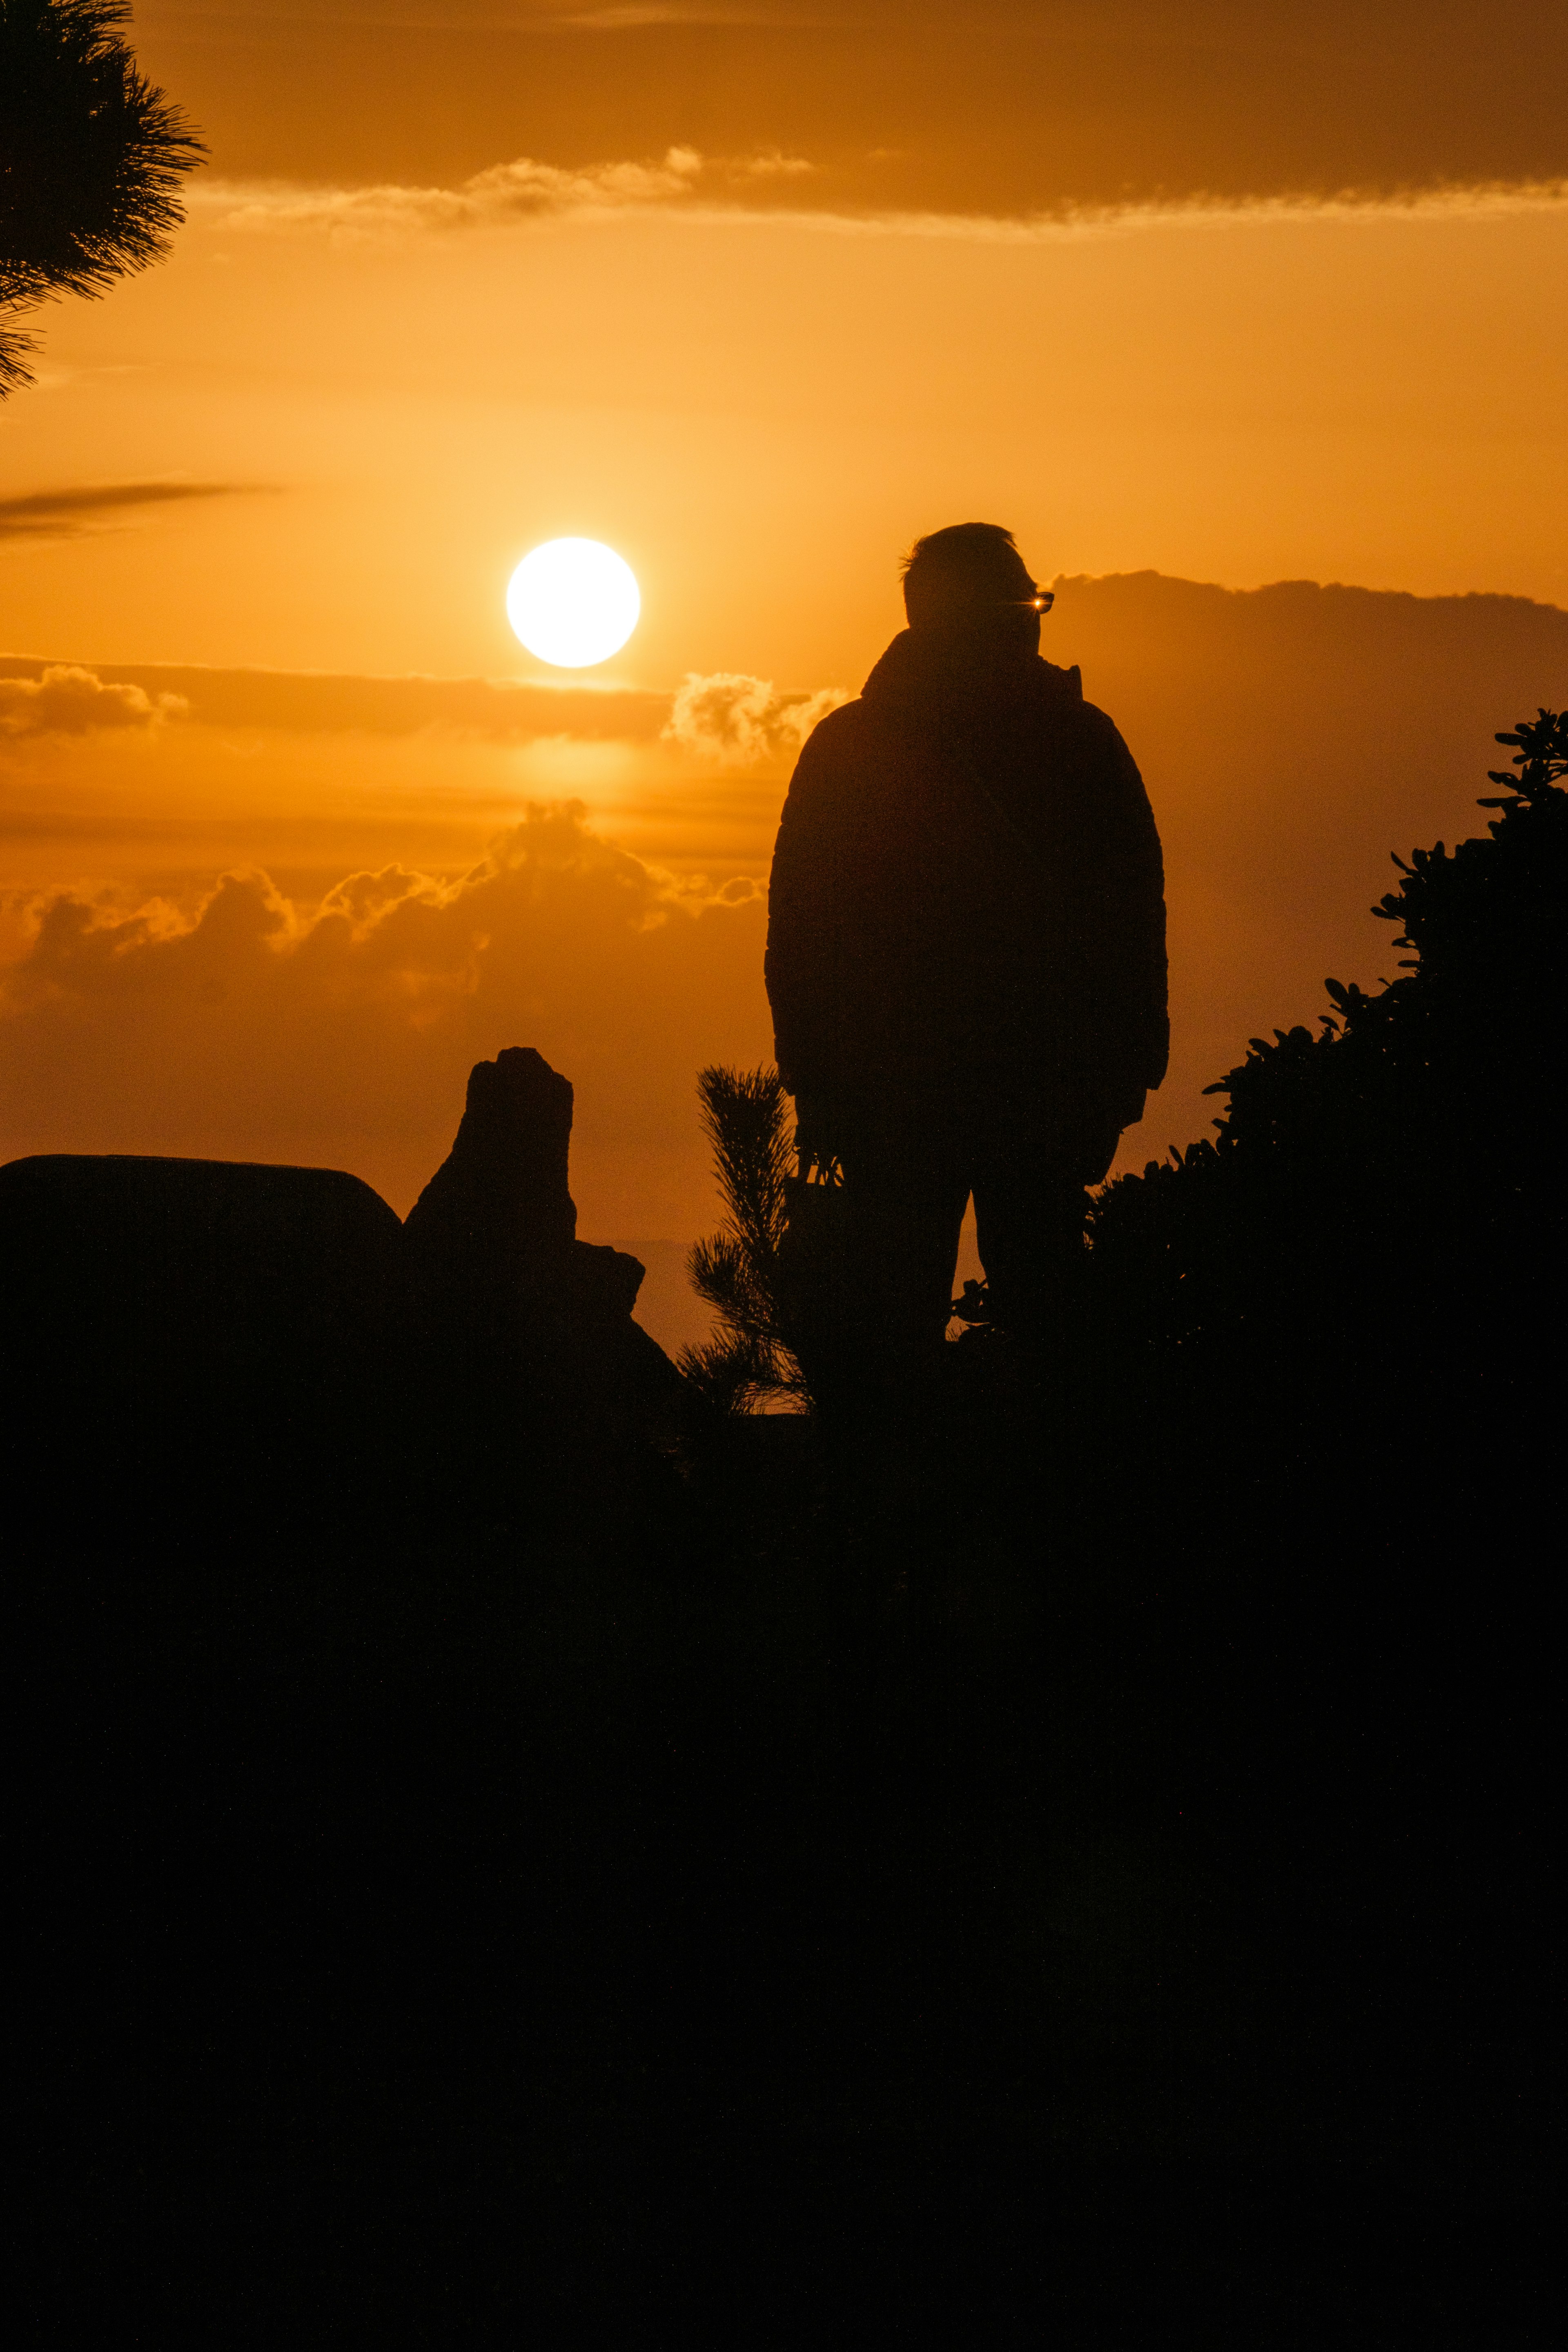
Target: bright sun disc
(573, 603)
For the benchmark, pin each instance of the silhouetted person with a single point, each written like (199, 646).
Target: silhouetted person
(966, 953)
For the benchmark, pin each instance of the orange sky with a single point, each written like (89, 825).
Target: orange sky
(1190, 295)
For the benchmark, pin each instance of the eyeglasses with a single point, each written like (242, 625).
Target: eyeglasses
(1040, 601)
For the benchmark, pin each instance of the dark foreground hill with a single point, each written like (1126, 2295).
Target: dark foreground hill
(495, 1857)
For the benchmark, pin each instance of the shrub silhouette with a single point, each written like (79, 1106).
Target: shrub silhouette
(91, 157)
(1395, 1171)
(737, 1270)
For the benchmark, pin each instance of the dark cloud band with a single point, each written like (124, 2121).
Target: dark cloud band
(1006, 110)
(66, 513)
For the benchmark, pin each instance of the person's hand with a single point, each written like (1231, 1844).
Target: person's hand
(814, 1127)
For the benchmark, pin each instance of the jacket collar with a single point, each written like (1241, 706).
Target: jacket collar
(928, 666)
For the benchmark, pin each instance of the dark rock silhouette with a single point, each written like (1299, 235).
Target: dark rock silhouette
(295, 1256)
(197, 1329)
(499, 1206)
(517, 1311)
(498, 1217)
(182, 1330)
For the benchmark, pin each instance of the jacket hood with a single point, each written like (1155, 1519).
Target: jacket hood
(932, 666)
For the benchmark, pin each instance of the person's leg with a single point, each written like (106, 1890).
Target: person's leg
(1029, 1227)
(1031, 1176)
(906, 1185)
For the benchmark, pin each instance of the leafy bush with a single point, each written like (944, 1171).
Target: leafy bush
(1370, 1184)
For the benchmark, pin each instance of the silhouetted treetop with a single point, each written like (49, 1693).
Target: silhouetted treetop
(91, 156)
(1408, 1153)
(1498, 896)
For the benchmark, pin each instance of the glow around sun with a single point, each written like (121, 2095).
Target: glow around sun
(574, 602)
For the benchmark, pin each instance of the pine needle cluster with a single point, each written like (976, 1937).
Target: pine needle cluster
(92, 157)
(748, 1363)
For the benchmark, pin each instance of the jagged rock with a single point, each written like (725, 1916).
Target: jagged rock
(514, 1308)
(499, 1206)
(188, 1343)
(498, 1215)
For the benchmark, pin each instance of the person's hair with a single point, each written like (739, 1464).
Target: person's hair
(967, 565)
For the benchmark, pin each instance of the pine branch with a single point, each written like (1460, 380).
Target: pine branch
(736, 1271)
(92, 157)
(734, 1373)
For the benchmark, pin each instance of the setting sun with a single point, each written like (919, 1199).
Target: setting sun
(572, 603)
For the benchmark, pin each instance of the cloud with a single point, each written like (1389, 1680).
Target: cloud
(1074, 222)
(728, 716)
(324, 702)
(250, 1025)
(504, 194)
(67, 514)
(634, 18)
(66, 701)
(775, 165)
(520, 190)
(912, 109)
(748, 189)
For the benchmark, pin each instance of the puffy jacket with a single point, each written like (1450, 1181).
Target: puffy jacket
(967, 890)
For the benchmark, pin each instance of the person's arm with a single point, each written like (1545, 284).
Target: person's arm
(806, 918)
(1131, 914)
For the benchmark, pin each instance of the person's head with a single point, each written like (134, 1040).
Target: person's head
(972, 579)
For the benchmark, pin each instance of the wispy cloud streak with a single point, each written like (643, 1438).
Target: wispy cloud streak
(69, 513)
(742, 190)
(520, 190)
